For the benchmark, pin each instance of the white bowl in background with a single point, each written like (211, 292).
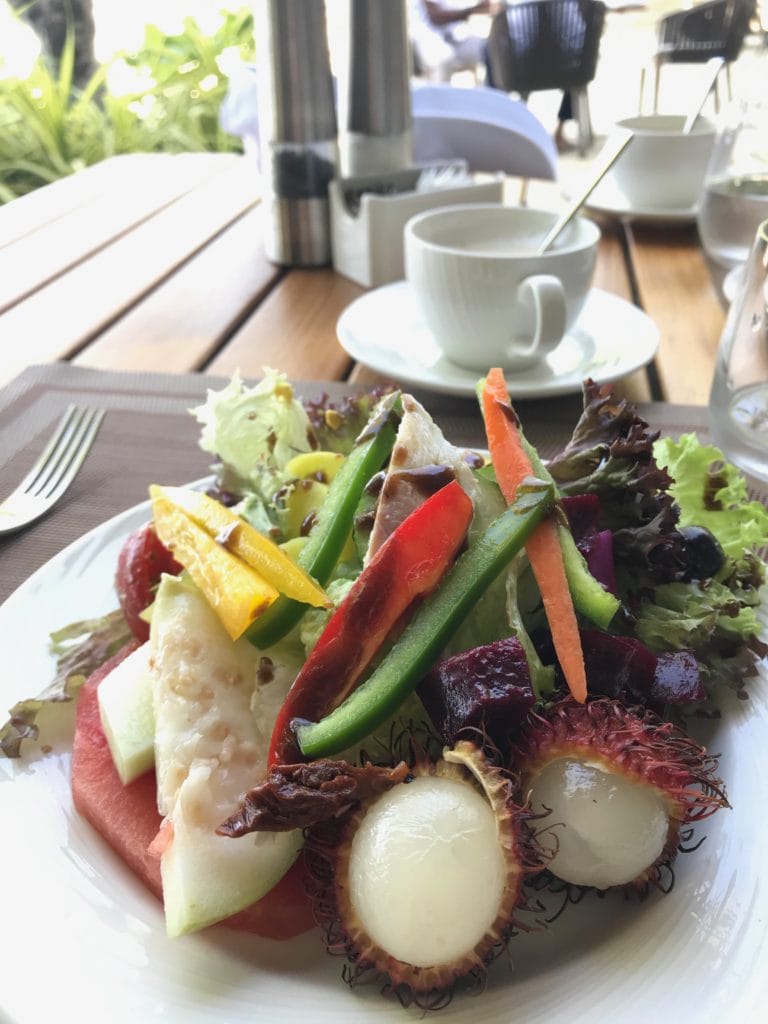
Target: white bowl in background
(662, 168)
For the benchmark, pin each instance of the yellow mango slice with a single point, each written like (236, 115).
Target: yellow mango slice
(235, 535)
(235, 591)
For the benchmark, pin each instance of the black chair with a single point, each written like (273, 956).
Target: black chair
(714, 29)
(548, 44)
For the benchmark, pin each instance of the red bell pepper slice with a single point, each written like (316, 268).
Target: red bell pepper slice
(409, 565)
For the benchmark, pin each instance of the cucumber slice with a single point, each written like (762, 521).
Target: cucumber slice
(125, 706)
(214, 702)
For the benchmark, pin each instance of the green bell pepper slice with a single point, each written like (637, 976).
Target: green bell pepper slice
(334, 520)
(430, 629)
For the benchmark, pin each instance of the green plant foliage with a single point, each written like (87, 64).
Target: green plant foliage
(49, 129)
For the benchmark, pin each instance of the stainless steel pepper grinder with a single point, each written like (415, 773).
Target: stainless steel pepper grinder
(375, 88)
(297, 129)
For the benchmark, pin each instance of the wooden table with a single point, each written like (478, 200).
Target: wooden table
(155, 262)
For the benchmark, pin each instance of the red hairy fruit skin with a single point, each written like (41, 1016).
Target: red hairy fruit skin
(142, 560)
(635, 743)
(330, 852)
(128, 820)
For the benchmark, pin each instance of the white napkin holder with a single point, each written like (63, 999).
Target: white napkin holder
(369, 213)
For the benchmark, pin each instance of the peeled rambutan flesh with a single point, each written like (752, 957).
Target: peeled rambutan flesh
(421, 883)
(615, 785)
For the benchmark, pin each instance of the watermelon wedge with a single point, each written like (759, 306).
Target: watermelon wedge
(128, 820)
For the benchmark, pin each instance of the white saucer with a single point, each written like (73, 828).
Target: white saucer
(608, 198)
(384, 330)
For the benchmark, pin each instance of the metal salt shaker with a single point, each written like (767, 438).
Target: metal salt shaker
(375, 88)
(297, 128)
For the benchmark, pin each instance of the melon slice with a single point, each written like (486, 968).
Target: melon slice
(125, 705)
(125, 816)
(215, 702)
(128, 819)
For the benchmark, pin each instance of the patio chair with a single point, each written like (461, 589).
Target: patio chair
(714, 29)
(548, 44)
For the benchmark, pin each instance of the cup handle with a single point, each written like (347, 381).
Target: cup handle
(541, 303)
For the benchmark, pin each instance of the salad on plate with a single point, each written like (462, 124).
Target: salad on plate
(407, 695)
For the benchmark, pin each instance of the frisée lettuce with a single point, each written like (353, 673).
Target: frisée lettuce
(654, 494)
(712, 493)
(254, 431)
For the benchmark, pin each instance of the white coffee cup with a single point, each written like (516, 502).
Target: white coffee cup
(485, 295)
(662, 168)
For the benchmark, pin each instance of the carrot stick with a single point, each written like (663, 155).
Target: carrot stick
(511, 464)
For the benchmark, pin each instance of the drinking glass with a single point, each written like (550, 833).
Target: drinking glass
(735, 196)
(738, 404)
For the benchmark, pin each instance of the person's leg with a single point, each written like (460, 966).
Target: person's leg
(469, 54)
(433, 55)
(565, 113)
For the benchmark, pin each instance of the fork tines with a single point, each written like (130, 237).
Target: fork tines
(54, 471)
(65, 453)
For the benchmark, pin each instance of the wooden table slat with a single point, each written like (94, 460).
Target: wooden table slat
(137, 191)
(611, 275)
(44, 205)
(611, 270)
(154, 262)
(677, 292)
(65, 314)
(294, 329)
(170, 330)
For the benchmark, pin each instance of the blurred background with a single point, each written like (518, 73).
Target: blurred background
(160, 72)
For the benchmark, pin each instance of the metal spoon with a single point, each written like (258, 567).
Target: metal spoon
(713, 64)
(607, 157)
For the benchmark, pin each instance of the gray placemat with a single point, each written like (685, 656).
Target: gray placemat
(148, 437)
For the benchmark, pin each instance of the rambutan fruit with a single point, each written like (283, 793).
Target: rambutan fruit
(420, 884)
(619, 787)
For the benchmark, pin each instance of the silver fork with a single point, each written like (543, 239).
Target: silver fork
(54, 471)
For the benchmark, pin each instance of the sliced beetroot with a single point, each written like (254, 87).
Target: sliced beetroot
(623, 667)
(677, 679)
(600, 561)
(596, 545)
(488, 688)
(583, 512)
(618, 666)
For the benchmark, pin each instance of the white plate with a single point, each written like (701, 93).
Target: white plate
(608, 198)
(84, 940)
(384, 330)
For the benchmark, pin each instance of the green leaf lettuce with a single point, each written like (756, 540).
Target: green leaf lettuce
(712, 493)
